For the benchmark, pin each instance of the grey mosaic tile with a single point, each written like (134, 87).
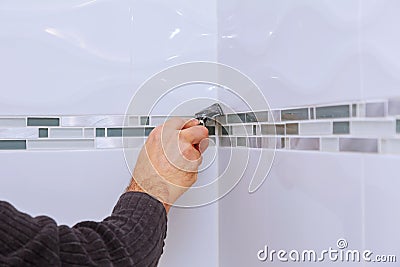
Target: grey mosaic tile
(375, 109)
(304, 143)
(226, 141)
(315, 128)
(236, 118)
(225, 130)
(354, 110)
(251, 117)
(273, 142)
(397, 126)
(390, 146)
(66, 133)
(292, 128)
(129, 132)
(254, 142)
(43, 122)
(132, 121)
(114, 132)
(365, 145)
(368, 128)
(12, 144)
(93, 121)
(100, 132)
(18, 133)
(274, 116)
(12, 122)
(147, 132)
(211, 130)
(294, 114)
(241, 141)
(241, 129)
(221, 119)
(88, 133)
(328, 144)
(328, 112)
(271, 129)
(50, 144)
(144, 120)
(43, 132)
(341, 127)
(394, 106)
(119, 142)
(261, 116)
(312, 113)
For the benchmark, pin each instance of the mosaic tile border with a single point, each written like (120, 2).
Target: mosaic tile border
(360, 127)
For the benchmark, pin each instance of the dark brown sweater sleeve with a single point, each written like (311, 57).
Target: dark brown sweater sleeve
(132, 236)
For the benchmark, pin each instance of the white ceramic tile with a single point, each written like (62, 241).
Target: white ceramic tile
(304, 143)
(309, 201)
(61, 184)
(282, 46)
(382, 216)
(379, 42)
(63, 63)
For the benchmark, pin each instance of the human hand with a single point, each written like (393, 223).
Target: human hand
(168, 162)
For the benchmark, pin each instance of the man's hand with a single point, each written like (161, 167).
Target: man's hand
(168, 163)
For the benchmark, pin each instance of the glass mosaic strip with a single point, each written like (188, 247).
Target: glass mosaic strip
(360, 127)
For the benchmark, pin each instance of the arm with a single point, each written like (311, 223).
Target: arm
(132, 236)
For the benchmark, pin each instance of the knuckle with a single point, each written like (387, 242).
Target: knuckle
(155, 134)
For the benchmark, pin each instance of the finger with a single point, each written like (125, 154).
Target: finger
(190, 123)
(195, 134)
(179, 123)
(203, 145)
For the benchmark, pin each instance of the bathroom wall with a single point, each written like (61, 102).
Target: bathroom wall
(69, 70)
(328, 70)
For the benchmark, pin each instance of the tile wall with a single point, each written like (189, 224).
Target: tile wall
(329, 70)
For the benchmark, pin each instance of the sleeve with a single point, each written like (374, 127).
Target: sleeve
(132, 236)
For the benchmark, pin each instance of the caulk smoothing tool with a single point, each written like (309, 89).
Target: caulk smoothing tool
(209, 113)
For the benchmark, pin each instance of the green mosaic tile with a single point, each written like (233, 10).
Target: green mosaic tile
(341, 127)
(43, 132)
(294, 114)
(12, 144)
(43, 122)
(342, 111)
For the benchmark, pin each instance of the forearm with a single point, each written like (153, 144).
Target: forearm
(132, 235)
